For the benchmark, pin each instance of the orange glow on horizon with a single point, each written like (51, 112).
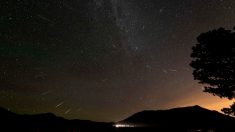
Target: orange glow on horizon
(204, 100)
(218, 105)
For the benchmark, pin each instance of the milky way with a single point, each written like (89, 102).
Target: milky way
(104, 59)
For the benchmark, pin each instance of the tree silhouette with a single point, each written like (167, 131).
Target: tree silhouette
(229, 111)
(213, 60)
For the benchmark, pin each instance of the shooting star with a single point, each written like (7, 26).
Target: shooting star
(45, 18)
(58, 105)
(67, 111)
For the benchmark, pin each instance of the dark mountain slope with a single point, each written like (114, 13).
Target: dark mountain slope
(184, 119)
(195, 117)
(47, 123)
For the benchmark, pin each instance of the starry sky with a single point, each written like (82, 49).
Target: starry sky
(104, 60)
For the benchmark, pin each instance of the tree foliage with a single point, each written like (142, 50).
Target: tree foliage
(213, 60)
(230, 111)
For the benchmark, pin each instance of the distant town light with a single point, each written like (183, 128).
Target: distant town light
(123, 125)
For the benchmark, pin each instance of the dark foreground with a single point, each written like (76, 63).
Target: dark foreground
(187, 119)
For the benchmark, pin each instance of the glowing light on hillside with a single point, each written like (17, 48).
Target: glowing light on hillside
(123, 125)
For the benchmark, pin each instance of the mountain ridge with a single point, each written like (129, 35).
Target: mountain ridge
(183, 118)
(192, 117)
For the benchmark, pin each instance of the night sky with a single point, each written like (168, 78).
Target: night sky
(104, 60)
